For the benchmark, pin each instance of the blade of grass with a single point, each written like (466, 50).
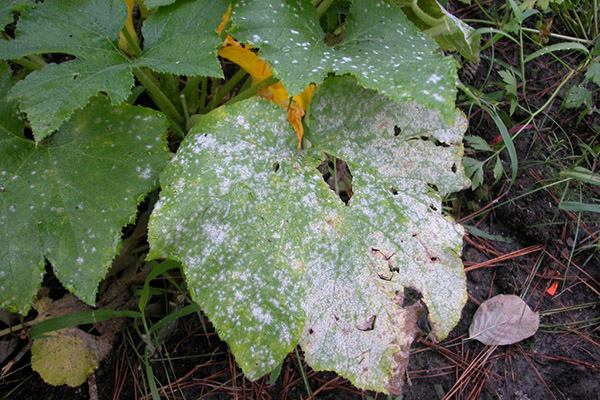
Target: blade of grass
(510, 147)
(582, 174)
(579, 207)
(556, 47)
(482, 31)
(156, 271)
(303, 373)
(150, 376)
(478, 232)
(80, 318)
(191, 308)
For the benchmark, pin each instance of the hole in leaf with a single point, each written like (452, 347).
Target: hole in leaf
(433, 208)
(431, 139)
(423, 322)
(310, 331)
(454, 169)
(367, 325)
(411, 296)
(394, 191)
(28, 133)
(57, 57)
(338, 177)
(433, 187)
(397, 130)
(435, 141)
(275, 166)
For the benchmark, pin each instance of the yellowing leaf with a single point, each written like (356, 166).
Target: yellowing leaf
(67, 356)
(70, 355)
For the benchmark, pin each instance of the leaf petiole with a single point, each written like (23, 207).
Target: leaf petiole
(251, 91)
(230, 84)
(203, 93)
(190, 91)
(322, 8)
(423, 16)
(137, 51)
(161, 100)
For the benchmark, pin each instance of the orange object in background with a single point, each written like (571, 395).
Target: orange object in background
(551, 290)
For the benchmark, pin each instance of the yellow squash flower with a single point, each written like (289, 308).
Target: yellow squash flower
(259, 71)
(123, 44)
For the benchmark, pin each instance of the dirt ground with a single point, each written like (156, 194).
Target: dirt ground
(538, 245)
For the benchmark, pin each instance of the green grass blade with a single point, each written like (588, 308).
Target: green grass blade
(510, 147)
(582, 174)
(150, 377)
(478, 232)
(80, 318)
(192, 308)
(482, 31)
(156, 271)
(579, 207)
(557, 47)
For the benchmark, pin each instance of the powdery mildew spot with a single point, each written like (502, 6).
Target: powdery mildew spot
(277, 258)
(381, 48)
(72, 204)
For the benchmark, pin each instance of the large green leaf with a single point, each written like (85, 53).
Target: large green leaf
(66, 199)
(392, 236)
(381, 48)
(88, 30)
(179, 39)
(232, 210)
(10, 120)
(275, 257)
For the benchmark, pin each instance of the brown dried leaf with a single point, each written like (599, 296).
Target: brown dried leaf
(502, 320)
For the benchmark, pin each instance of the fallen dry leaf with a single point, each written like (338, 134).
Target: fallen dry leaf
(502, 320)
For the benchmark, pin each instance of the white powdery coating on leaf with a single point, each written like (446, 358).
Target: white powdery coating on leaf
(83, 184)
(355, 322)
(274, 256)
(228, 218)
(381, 48)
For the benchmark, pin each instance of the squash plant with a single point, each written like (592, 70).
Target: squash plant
(272, 254)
